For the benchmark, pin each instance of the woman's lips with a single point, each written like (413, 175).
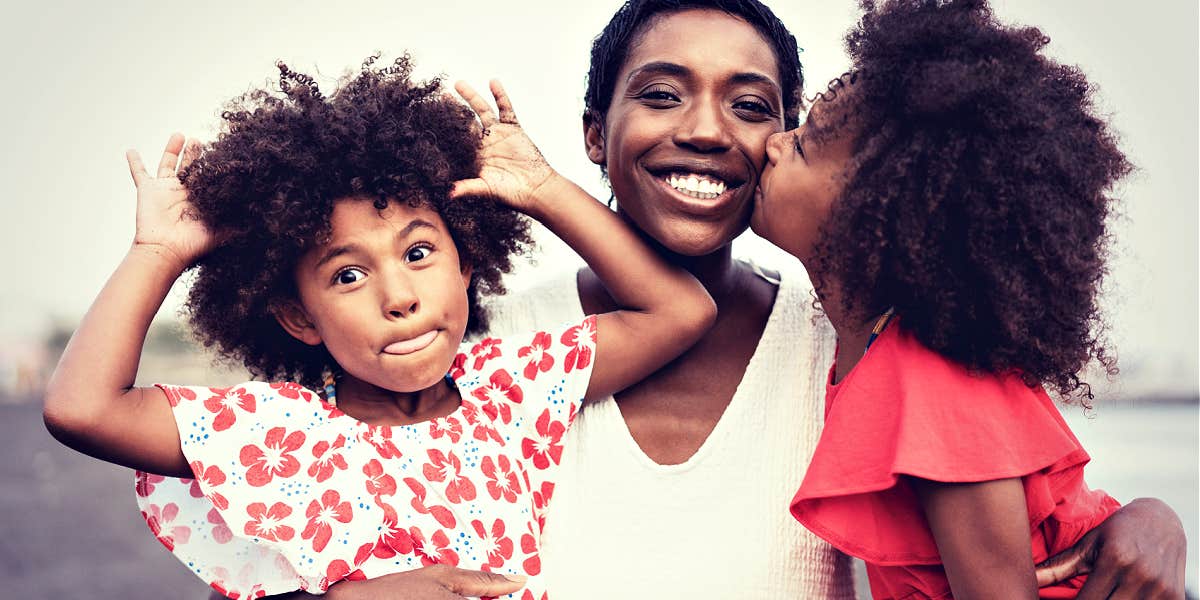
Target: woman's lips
(411, 345)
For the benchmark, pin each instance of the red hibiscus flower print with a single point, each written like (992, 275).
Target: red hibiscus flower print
(226, 404)
(395, 540)
(532, 563)
(288, 389)
(541, 499)
(456, 367)
(580, 338)
(546, 447)
(338, 570)
(231, 589)
(274, 458)
(268, 523)
(502, 481)
(378, 482)
(146, 482)
(484, 351)
(528, 595)
(162, 523)
(221, 531)
(496, 396)
(470, 412)
(484, 432)
(175, 394)
(210, 477)
(381, 437)
(444, 517)
(540, 360)
(329, 459)
(497, 547)
(434, 551)
(321, 516)
(447, 426)
(448, 468)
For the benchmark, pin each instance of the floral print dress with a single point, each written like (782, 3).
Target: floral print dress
(292, 494)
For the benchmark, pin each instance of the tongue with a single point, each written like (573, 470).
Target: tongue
(410, 346)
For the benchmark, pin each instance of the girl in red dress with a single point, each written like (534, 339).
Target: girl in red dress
(948, 197)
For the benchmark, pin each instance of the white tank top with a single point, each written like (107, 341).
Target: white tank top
(620, 525)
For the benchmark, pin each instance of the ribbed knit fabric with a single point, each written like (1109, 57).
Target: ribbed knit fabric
(620, 525)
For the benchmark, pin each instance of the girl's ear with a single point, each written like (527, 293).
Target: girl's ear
(593, 137)
(295, 320)
(466, 275)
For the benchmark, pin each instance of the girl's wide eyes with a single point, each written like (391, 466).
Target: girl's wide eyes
(658, 95)
(348, 276)
(799, 147)
(417, 253)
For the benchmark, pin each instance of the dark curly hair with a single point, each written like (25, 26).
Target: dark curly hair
(978, 196)
(611, 47)
(285, 157)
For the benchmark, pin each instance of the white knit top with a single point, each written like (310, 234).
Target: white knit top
(620, 525)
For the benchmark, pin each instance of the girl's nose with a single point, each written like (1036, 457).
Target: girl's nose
(400, 298)
(775, 146)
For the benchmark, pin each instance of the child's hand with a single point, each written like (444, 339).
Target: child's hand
(165, 221)
(511, 167)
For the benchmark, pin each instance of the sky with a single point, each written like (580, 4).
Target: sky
(85, 81)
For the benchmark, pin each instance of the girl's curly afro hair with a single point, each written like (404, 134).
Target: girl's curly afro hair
(977, 200)
(285, 157)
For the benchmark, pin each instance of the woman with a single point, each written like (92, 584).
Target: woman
(679, 486)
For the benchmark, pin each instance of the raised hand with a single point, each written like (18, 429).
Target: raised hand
(165, 221)
(511, 168)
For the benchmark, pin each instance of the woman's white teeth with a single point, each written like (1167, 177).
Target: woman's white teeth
(697, 186)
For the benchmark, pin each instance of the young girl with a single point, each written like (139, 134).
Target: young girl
(948, 196)
(331, 236)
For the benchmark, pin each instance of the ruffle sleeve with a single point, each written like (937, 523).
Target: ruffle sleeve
(905, 410)
(273, 506)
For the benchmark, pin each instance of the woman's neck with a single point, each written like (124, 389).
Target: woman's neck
(377, 406)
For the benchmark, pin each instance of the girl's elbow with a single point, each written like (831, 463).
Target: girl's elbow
(66, 421)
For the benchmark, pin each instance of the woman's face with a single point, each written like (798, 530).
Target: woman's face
(683, 139)
(806, 171)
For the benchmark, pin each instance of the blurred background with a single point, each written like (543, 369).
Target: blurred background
(85, 81)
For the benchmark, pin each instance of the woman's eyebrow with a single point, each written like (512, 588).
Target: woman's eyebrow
(752, 78)
(659, 68)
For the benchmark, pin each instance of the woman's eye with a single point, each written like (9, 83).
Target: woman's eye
(417, 253)
(349, 275)
(799, 146)
(754, 106)
(659, 95)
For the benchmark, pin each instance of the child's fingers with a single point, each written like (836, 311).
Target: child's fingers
(470, 187)
(137, 170)
(191, 151)
(503, 103)
(170, 157)
(477, 103)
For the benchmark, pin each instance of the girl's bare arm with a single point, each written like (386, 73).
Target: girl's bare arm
(664, 310)
(982, 534)
(91, 403)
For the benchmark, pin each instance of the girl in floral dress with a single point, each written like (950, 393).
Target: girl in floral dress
(340, 246)
(948, 197)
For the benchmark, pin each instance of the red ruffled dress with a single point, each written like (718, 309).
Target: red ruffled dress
(906, 410)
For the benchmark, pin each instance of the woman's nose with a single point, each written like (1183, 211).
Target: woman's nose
(703, 129)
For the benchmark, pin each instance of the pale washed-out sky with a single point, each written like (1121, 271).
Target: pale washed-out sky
(85, 81)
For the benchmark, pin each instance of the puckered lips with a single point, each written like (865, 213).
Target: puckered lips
(698, 186)
(410, 345)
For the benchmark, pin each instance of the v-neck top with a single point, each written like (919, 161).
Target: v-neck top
(717, 524)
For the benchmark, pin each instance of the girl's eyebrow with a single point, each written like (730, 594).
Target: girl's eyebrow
(336, 251)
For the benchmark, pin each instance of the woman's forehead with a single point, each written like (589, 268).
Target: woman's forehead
(708, 43)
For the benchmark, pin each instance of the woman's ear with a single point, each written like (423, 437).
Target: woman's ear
(593, 137)
(295, 320)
